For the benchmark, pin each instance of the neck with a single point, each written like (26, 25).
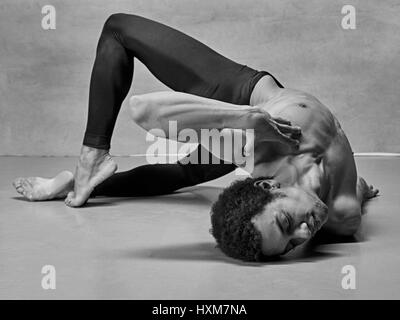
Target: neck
(264, 90)
(288, 176)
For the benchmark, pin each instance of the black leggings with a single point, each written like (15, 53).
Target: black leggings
(180, 62)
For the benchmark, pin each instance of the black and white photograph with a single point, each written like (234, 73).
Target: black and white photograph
(176, 150)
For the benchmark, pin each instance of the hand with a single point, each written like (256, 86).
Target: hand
(367, 191)
(268, 128)
(370, 192)
(284, 132)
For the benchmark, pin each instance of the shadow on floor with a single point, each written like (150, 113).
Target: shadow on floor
(204, 251)
(97, 203)
(176, 198)
(207, 251)
(316, 249)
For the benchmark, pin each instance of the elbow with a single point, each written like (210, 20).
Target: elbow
(139, 110)
(345, 218)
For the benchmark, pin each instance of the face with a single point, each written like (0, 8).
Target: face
(289, 220)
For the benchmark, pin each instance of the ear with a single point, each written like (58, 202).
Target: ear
(267, 184)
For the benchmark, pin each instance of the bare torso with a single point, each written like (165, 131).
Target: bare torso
(324, 162)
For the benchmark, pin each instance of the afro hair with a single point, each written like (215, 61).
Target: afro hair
(231, 217)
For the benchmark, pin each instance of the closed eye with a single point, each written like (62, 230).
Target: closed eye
(287, 222)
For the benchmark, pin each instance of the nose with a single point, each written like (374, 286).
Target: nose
(303, 231)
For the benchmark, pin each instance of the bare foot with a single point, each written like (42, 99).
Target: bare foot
(95, 166)
(40, 189)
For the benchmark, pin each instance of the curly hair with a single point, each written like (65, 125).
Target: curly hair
(231, 218)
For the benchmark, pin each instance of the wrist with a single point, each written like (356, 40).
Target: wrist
(255, 117)
(241, 117)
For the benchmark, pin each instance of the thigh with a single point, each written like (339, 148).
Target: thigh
(182, 62)
(185, 64)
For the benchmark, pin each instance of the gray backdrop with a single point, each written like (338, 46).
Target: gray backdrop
(44, 74)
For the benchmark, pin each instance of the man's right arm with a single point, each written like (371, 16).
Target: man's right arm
(158, 109)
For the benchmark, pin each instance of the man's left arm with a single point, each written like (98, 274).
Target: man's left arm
(365, 192)
(344, 204)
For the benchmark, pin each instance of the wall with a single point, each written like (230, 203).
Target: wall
(44, 75)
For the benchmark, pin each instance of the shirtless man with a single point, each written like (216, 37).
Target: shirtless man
(304, 176)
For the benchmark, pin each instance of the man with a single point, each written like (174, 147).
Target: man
(312, 179)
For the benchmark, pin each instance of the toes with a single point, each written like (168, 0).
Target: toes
(70, 196)
(72, 201)
(24, 188)
(25, 184)
(20, 190)
(17, 182)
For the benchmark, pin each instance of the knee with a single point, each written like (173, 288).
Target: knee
(111, 35)
(114, 22)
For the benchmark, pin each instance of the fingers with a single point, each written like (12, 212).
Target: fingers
(282, 131)
(17, 183)
(249, 147)
(282, 121)
(288, 134)
(373, 192)
(289, 129)
(285, 139)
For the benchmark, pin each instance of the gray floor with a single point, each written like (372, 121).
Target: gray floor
(160, 248)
